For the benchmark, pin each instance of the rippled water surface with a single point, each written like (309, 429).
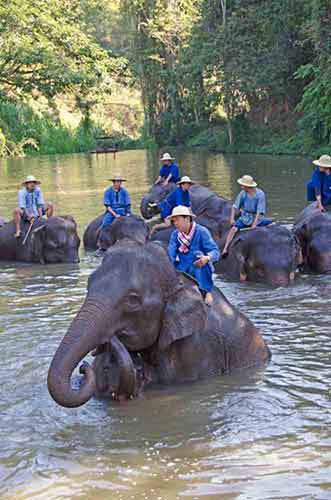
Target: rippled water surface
(260, 435)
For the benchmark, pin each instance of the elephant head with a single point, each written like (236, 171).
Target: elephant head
(131, 227)
(314, 234)
(268, 255)
(55, 240)
(157, 193)
(134, 296)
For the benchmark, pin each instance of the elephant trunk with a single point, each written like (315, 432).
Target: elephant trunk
(145, 210)
(84, 334)
(127, 374)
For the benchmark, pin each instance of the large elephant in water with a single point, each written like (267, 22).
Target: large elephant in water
(313, 230)
(132, 227)
(209, 208)
(268, 255)
(147, 325)
(53, 240)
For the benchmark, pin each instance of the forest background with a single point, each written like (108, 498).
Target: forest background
(231, 75)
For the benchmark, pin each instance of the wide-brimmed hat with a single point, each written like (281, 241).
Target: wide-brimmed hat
(31, 178)
(247, 181)
(185, 179)
(323, 161)
(117, 178)
(181, 210)
(166, 156)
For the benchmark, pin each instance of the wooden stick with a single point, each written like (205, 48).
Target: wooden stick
(29, 230)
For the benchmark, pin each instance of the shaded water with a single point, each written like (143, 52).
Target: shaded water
(260, 435)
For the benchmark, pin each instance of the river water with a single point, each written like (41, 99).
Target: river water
(260, 435)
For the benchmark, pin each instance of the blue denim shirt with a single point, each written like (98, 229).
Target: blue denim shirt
(117, 200)
(250, 205)
(177, 197)
(202, 243)
(172, 169)
(30, 201)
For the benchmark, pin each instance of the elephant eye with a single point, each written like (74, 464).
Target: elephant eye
(133, 301)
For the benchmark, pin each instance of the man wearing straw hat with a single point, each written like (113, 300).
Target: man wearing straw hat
(169, 171)
(116, 200)
(318, 188)
(180, 196)
(251, 203)
(31, 204)
(192, 250)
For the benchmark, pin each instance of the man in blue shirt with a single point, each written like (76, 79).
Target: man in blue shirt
(180, 196)
(318, 186)
(192, 250)
(169, 171)
(31, 204)
(251, 203)
(116, 200)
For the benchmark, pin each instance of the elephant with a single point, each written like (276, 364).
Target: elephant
(132, 227)
(146, 325)
(53, 240)
(268, 255)
(313, 230)
(209, 208)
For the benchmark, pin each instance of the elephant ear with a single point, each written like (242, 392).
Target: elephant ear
(184, 314)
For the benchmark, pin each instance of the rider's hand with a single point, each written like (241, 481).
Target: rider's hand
(202, 261)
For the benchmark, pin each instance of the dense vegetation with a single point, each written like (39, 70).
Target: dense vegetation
(234, 75)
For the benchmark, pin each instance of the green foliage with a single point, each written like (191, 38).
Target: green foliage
(25, 131)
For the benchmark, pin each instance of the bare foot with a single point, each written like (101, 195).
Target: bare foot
(209, 299)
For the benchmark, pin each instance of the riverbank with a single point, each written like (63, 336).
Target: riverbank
(28, 130)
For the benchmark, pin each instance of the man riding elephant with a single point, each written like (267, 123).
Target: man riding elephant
(169, 171)
(31, 204)
(251, 204)
(192, 250)
(180, 196)
(147, 324)
(116, 200)
(319, 187)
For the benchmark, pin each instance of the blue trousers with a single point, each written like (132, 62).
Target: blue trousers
(203, 275)
(108, 218)
(239, 224)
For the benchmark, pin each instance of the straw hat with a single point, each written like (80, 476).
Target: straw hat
(31, 178)
(185, 179)
(247, 181)
(166, 156)
(181, 210)
(323, 161)
(117, 178)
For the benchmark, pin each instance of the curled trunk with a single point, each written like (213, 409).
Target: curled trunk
(84, 334)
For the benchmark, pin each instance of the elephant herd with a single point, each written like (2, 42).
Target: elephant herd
(144, 323)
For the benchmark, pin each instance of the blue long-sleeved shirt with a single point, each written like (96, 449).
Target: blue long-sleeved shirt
(172, 169)
(317, 181)
(202, 242)
(30, 201)
(177, 197)
(117, 200)
(326, 190)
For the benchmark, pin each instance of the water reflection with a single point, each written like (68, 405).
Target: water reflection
(257, 435)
